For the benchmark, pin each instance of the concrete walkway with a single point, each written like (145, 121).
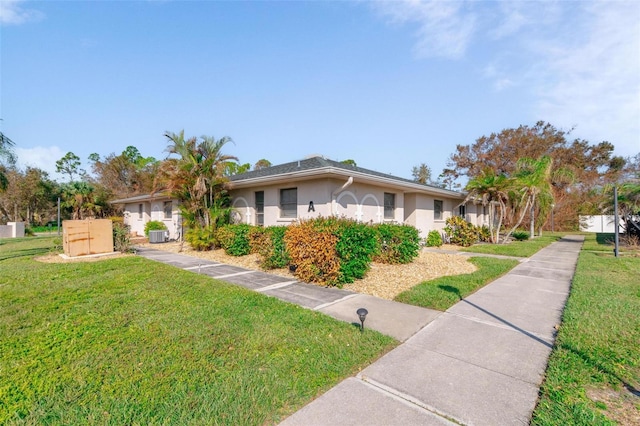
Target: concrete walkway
(391, 318)
(479, 363)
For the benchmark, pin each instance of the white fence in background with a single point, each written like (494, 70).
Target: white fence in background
(600, 223)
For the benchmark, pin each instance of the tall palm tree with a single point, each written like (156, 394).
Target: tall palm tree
(196, 175)
(6, 152)
(489, 189)
(532, 189)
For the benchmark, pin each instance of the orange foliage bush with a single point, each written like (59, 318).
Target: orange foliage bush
(312, 250)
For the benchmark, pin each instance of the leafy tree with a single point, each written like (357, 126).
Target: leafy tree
(421, 174)
(69, 165)
(262, 164)
(126, 174)
(591, 165)
(30, 196)
(349, 162)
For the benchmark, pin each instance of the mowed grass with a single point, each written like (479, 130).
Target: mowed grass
(444, 292)
(594, 370)
(131, 341)
(517, 248)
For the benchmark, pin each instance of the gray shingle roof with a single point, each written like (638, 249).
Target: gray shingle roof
(311, 164)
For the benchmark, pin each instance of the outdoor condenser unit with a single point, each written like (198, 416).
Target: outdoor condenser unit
(158, 236)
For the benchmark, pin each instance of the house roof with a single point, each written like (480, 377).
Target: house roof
(322, 167)
(141, 198)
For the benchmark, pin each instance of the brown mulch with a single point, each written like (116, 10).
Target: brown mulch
(384, 281)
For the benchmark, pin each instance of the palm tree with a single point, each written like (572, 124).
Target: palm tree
(6, 152)
(532, 189)
(489, 189)
(197, 176)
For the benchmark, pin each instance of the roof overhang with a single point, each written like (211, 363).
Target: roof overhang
(142, 198)
(337, 173)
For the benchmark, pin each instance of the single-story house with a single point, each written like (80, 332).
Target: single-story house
(141, 209)
(316, 186)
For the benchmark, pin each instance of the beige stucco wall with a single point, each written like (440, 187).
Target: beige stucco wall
(152, 211)
(357, 201)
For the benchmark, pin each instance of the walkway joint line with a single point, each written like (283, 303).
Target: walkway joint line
(396, 394)
(208, 265)
(234, 275)
(275, 286)
(324, 305)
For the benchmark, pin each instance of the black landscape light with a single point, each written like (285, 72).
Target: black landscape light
(362, 314)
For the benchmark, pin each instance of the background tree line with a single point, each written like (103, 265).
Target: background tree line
(520, 174)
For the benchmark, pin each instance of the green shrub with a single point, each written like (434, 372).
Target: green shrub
(355, 247)
(397, 243)
(269, 244)
(121, 241)
(201, 238)
(520, 235)
(29, 232)
(483, 234)
(434, 239)
(154, 225)
(234, 239)
(460, 232)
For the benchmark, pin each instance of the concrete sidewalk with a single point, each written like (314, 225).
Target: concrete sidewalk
(391, 318)
(479, 363)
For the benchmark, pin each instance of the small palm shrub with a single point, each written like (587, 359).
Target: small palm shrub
(520, 235)
(434, 239)
(154, 225)
(201, 238)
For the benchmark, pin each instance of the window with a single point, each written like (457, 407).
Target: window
(167, 207)
(437, 209)
(289, 203)
(259, 208)
(462, 211)
(140, 211)
(389, 205)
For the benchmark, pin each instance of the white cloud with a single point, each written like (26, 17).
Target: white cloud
(43, 158)
(579, 60)
(444, 28)
(593, 82)
(13, 13)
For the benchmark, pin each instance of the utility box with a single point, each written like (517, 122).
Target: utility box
(158, 236)
(90, 236)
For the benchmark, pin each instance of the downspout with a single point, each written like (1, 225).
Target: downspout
(335, 193)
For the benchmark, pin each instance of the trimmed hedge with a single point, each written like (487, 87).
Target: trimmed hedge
(234, 239)
(397, 243)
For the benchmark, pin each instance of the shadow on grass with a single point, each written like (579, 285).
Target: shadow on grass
(455, 291)
(24, 253)
(601, 368)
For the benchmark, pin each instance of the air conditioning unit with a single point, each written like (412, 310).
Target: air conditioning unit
(156, 237)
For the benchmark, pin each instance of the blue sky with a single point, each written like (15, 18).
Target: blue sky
(388, 84)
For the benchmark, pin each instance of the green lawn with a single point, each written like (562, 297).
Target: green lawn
(131, 341)
(594, 369)
(444, 292)
(517, 248)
